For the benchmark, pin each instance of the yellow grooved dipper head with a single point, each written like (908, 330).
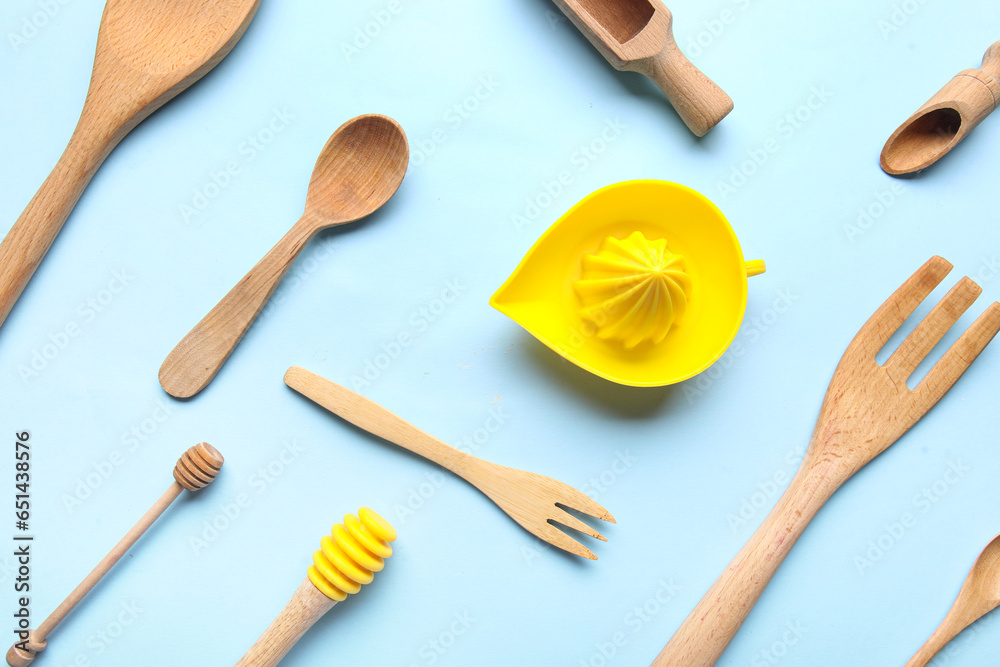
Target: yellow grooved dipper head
(349, 557)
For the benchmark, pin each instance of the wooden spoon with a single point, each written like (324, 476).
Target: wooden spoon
(636, 35)
(945, 119)
(360, 168)
(979, 595)
(147, 53)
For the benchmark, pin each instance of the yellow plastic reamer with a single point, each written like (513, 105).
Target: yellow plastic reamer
(643, 283)
(350, 556)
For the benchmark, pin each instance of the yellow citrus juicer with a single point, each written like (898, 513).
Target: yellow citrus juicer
(642, 283)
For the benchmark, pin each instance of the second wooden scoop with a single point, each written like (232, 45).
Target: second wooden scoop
(979, 596)
(147, 53)
(945, 119)
(637, 36)
(360, 168)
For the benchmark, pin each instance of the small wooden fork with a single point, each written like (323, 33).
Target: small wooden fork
(866, 409)
(531, 500)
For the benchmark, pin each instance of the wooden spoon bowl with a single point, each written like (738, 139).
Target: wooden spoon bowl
(360, 168)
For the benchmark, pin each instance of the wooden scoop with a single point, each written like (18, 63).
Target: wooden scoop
(946, 119)
(147, 52)
(635, 35)
(979, 595)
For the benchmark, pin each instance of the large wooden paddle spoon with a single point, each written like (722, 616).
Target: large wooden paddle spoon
(148, 51)
(360, 168)
(979, 595)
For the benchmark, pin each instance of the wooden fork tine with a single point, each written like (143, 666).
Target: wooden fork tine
(880, 327)
(960, 356)
(932, 329)
(566, 519)
(557, 538)
(581, 502)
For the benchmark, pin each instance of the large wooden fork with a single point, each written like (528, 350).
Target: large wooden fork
(866, 409)
(529, 499)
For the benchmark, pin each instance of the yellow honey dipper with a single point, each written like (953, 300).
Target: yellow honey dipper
(196, 469)
(347, 559)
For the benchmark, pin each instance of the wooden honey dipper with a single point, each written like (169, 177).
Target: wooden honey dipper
(347, 559)
(194, 470)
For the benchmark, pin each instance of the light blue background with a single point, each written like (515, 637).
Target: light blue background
(699, 450)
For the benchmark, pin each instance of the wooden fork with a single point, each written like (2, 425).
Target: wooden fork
(529, 499)
(866, 409)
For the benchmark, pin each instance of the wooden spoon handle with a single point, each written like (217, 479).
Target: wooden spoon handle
(198, 357)
(699, 102)
(703, 637)
(944, 634)
(32, 235)
(305, 608)
(968, 608)
(372, 417)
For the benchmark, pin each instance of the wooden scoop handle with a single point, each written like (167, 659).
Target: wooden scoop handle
(198, 357)
(991, 61)
(703, 637)
(699, 102)
(32, 235)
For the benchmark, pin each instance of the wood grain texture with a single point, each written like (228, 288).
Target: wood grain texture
(637, 36)
(528, 498)
(946, 119)
(196, 468)
(305, 608)
(148, 51)
(866, 409)
(980, 594)
(359, 169)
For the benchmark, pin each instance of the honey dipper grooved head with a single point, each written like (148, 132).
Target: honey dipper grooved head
(350, 556)
(198, 467)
